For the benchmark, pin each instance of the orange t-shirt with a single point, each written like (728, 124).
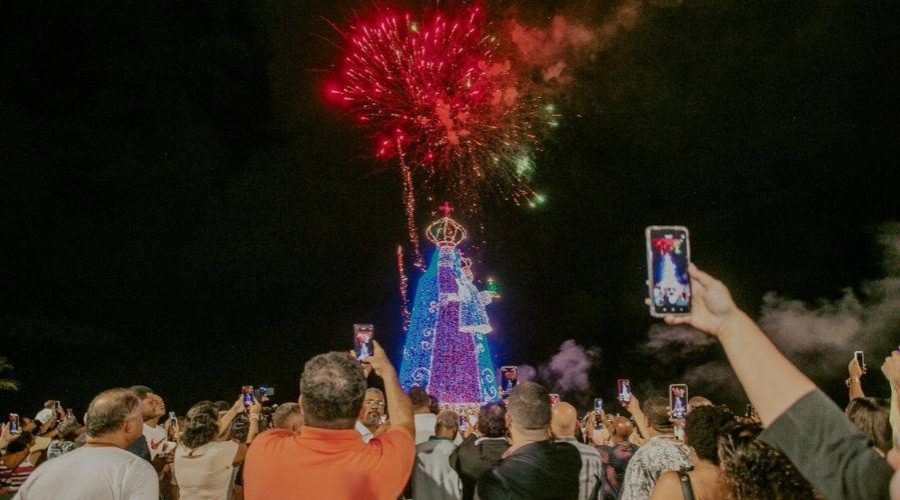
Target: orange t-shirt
(327, 464)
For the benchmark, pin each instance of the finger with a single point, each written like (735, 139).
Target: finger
(677, 320)
(647, 302)
(378, 350)
(703, 278)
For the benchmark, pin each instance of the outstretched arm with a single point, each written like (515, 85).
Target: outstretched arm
(758, 364)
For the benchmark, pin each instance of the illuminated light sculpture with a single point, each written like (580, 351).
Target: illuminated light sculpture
(446, 349)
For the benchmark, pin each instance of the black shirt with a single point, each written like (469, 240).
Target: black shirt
(473, 457)
(539, 470)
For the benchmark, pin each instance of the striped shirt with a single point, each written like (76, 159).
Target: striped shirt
(12, 479)
(591, 467)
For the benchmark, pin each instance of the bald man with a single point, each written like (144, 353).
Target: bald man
(563, 422)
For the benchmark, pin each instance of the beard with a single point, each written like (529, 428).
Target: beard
(372, 419)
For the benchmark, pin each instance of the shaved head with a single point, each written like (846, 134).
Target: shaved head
(623, 428)
(563, 420)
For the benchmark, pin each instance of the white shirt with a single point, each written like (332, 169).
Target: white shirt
(364, 432)
(205, 472)
(433, 478)
(424, 426)
(156, 439)
(92, 473)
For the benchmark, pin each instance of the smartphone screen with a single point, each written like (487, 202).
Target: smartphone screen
(554, 399)
(462, 423)
(247, 393)
(598, 405)
(668, 256)
(508, 377)
(172, 417)
(362, 340)
(678, 397)
(860, 359)
(70, 413)
(623, 391)
(14, 423)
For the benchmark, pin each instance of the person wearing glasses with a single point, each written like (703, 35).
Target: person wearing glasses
(371, 415)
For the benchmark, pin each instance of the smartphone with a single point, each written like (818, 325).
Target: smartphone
(678, 398)
(598, 405)
(14, 423)
(247, 393)
(362, 340)
(70, 413)
(509, 376)
(173, 417)
(860, 359)
(462, 423)
(265, 390)
(554, 399)
(623, 391)
(668, 256)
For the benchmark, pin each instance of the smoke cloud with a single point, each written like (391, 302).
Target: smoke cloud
(567, 371)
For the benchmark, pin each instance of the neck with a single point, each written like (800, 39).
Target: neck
(111, 441)
(528, 436)
(653, 432)
(152, 421)
(420, 410)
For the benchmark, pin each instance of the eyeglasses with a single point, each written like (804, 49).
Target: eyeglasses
(373, 402)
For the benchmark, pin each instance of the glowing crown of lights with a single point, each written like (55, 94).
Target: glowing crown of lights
(445, 232)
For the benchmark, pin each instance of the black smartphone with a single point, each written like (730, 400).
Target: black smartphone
(247, 394)
(14, 423)
(598, 406)
(623, 391)
(509, 376)
(363, 335)
(860, 359)
(678, 398)
(668, 256)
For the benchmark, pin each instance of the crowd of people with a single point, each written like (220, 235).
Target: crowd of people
(348, 438)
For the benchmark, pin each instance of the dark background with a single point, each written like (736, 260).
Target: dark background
(181, 208)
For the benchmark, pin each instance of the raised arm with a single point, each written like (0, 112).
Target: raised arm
(758, 364)
(854, 382)
(225, 420)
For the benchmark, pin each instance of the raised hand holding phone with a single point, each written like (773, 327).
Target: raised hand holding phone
(668, 256)
(712, 305)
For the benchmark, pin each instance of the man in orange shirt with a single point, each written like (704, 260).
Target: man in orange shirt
(328, 459)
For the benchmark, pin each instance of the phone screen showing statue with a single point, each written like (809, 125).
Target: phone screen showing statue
(623, 391)
(362, 340)
(678, 397)
(671, 286)
(508, 378)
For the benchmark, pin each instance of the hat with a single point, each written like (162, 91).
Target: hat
(44, 416)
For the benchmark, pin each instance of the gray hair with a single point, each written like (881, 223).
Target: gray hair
(68, 428)
(284, 414)
(333, 387)
(109, 410)
(529, 406)
(447, 420)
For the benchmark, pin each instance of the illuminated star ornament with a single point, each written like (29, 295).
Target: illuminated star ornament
(441, 96)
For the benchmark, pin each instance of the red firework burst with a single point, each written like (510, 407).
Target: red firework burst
(441, 96)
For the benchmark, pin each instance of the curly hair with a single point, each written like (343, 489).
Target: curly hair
(872, 417)
(753, 469)
(492, 420)
(201, 426)
(333, 388)
(702, 429)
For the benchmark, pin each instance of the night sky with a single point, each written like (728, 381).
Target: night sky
(181, 208)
